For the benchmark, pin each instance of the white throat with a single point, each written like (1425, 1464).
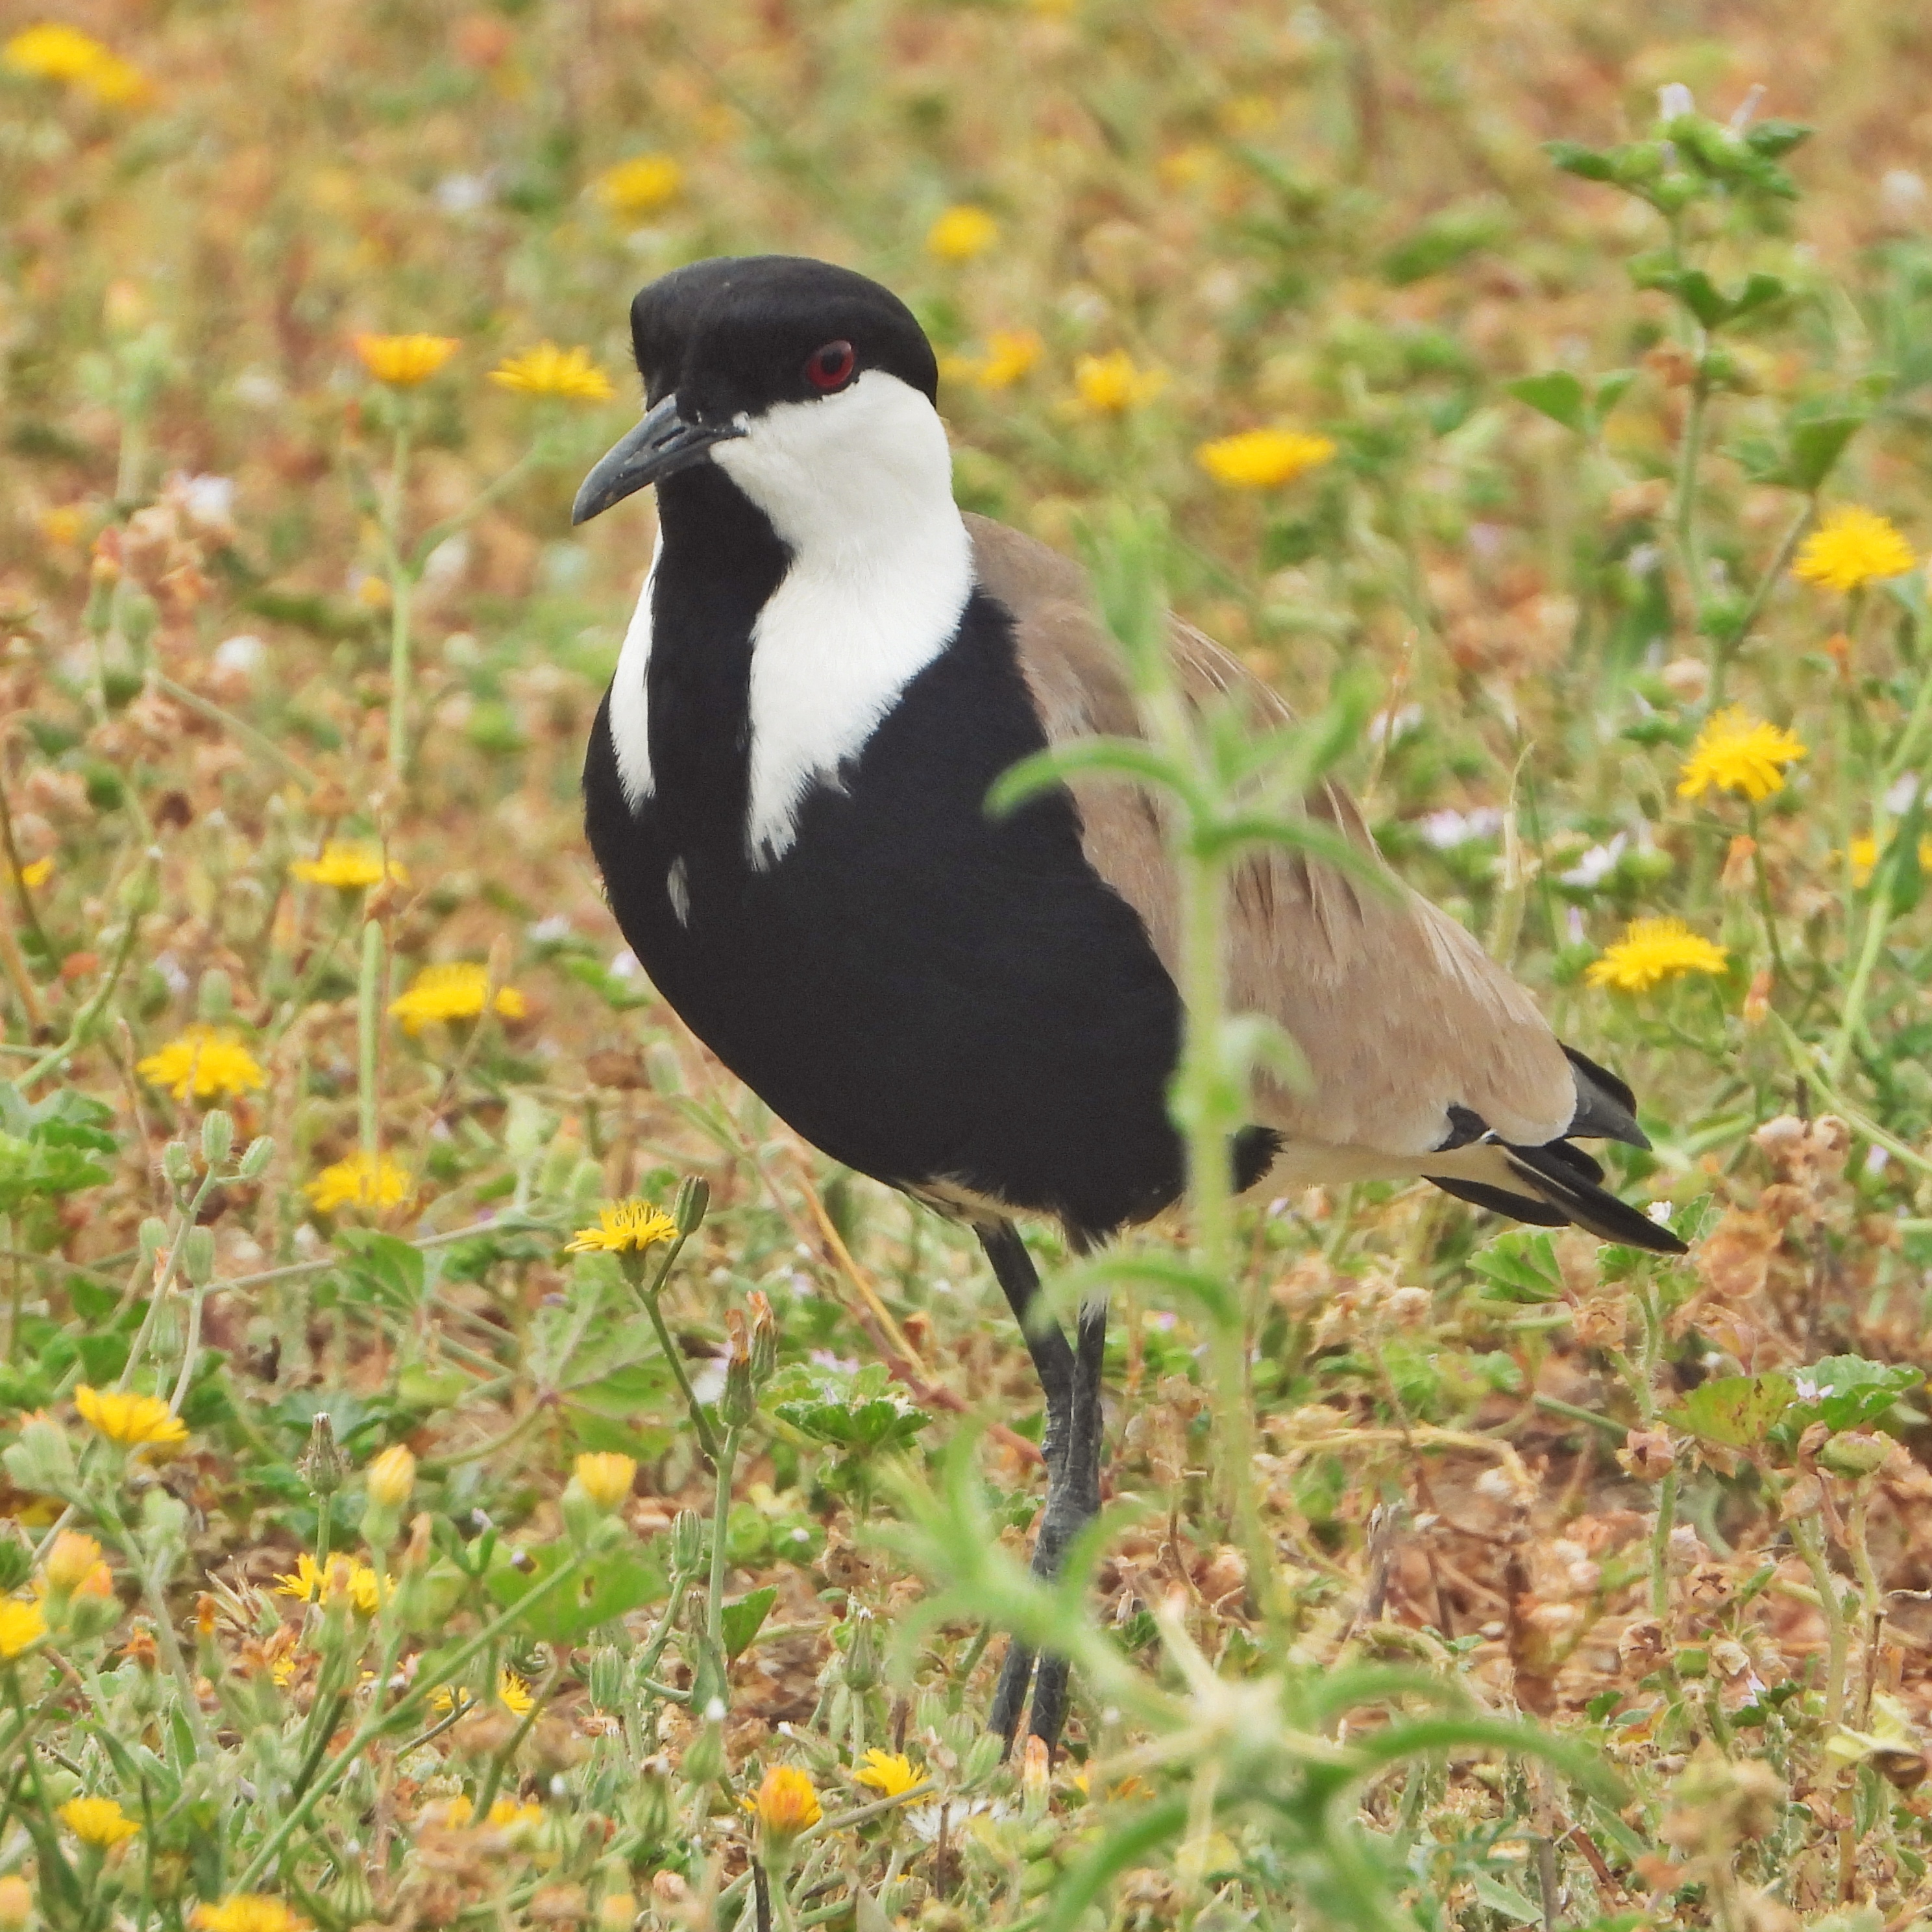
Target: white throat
(859, 486)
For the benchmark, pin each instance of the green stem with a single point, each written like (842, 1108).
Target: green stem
(259, 742)
(714, 1600)
(1837, 1634)
(402, 584)
(1660, 1547)
(368, 1005)
(83, 1025)
(1878, 924)
(632, 1264)
(1721, 656)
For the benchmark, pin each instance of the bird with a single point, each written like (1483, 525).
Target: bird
(829, 667)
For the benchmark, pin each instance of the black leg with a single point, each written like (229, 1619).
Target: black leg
(1071, 1380)
(1071, 1504)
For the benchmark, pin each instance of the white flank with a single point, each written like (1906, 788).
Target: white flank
(630, 701)
(859, 486)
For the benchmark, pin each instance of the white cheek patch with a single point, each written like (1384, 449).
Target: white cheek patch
(859, 486)
(630, 699)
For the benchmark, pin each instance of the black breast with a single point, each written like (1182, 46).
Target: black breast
(925, 993)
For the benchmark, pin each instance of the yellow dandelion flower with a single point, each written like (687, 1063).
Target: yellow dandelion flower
(507, 1814)
(203, 1061)
(309, 1583)
(1263, 459)
(1864, 856)
(513, 1693)
(248, 1911)
(63, 525)
(1654, 950)
(36, 875)
(881, 1771)
(349, 865)
(1736, 752)
(360, 1182)
(1011, 354)
(624, 1225)
(605, 1477)
(22, 1626)
(16, 1903)
(402, 361)
(96, 1821)
(1112, 384)
(548, 370)
(786, 1803)
(452, 991)
(637, 186)
(52, 52)
(962, 232)
(1851, 548)
(131, 1420)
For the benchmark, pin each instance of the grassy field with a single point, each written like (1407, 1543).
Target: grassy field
(405, 1532)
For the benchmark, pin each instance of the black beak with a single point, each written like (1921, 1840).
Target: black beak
(660, 445)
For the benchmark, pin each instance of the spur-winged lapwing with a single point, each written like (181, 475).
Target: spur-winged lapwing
(786, 790)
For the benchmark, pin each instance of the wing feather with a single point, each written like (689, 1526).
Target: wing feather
(1398, 1012)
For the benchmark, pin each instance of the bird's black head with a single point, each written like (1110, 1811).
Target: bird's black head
(812, 361)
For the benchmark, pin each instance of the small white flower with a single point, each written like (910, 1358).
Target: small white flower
(208, 500)
(1448, 828)
(463, 194)
(1597, 864)
(243, 652)
(1675, 100)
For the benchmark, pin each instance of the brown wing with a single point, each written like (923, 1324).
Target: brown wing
(1400, 1014)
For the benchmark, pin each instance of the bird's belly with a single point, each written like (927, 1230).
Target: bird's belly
(971, 1045)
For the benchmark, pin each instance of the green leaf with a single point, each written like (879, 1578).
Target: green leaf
(862, 1413)
(1612, 387)
(380, 1270)
(1521, 1266)
(1574, 158)
(1773, 138)
(1506, 1900)
(608, 1587)
(1736, 1411)
(30, 1170)
(743, 1619)
(1816, 444)
(1558, 394)
(1759, 290)
(1847, 1392)
(1700, 295)
(619, 994)
(1902, 875)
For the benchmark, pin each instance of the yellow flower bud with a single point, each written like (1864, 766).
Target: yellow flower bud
(16, 1902)
(606, 1478)
(391, 1476)
(70, 1561)
(787, 1805)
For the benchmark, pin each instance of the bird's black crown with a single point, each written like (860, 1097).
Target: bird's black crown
(736, 333)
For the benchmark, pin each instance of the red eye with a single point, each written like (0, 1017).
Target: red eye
(830, 367)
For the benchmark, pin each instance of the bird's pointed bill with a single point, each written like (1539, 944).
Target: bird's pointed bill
(662, 444)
